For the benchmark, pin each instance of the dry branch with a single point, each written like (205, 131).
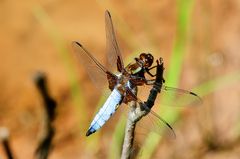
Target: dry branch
(137, 112)
(4, 137)
(45, 144)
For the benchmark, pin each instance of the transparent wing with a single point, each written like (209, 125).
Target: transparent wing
(149, 120)
(152, 122)
(95, 70)
(113, 51)
(178, 97)
(170, 96)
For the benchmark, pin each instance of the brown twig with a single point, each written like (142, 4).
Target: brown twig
(45, 144)
(4, 137)
(136, 113)
(129, 133)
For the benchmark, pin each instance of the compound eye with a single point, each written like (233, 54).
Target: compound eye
(150, 56)
(142, 56)
(149, 60)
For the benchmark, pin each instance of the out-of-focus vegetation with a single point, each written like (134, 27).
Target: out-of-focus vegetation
(198, 41)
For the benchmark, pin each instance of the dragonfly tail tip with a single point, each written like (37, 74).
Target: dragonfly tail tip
(89, 132)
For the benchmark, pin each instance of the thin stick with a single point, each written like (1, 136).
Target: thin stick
(45, 144)
(4, 136)
(129, 133)
(136, 113)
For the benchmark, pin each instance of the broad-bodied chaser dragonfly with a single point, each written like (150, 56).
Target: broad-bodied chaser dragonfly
(122, 83)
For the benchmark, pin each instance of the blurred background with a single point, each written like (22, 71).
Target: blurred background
(199, 41)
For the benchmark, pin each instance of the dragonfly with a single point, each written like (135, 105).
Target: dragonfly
(124, 81)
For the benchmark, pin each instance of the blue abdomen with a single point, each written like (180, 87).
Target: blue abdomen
(105, 112)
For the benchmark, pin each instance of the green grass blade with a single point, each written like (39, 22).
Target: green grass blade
(117, 139)
(75, 87)
(218, 83)
(174, 70)
(183, 21)
(61, 46)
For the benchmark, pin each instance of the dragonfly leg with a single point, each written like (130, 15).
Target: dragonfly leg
(159, 62)
(148, 71)
(150, 82)
(129, 97)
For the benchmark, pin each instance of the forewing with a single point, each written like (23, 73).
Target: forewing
(96, 71)
(113, 51)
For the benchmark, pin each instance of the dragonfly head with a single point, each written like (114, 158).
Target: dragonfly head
(146, 59)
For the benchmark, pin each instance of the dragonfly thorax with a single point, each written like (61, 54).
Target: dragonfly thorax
(122, 84)
(142, 63)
